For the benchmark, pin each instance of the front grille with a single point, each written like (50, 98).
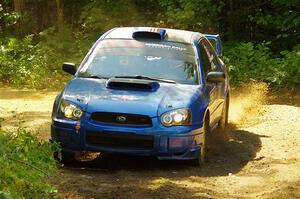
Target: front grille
(121, 119)
(119, 140)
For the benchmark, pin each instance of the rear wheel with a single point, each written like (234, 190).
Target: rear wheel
(205, 144)
(221, 134)
(223, 122)
(224, 118)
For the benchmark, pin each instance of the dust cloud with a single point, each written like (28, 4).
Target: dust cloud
(247, 102)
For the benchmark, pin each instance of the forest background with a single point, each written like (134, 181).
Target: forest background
(260, 38)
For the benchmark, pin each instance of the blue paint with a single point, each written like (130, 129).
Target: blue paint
(96, 95)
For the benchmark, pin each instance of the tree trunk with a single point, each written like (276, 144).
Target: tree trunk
(60, 14)
(18, 7)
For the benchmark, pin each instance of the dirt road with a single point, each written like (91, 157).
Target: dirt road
(261, 159)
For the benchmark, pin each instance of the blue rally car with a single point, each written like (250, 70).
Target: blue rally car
(144, 91)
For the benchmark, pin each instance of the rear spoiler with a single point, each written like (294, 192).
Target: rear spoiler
(216, 42)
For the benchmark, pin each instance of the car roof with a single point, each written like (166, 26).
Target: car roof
(173, 35)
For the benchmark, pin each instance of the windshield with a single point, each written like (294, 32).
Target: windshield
(156, 59)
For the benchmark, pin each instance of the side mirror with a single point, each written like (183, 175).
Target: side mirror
(215, 77)
(69, 68)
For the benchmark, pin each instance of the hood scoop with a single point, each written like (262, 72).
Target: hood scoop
(132, 84)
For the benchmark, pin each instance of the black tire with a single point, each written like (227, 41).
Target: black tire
(206, 140)
(223, 122)
(64, 157)
(221, 133)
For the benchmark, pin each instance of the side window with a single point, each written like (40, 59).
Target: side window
(212, 57)
(204, 59)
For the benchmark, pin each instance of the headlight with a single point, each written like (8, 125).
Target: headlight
(70, 111)
(177, 117)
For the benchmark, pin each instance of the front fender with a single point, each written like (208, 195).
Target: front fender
(199, 109)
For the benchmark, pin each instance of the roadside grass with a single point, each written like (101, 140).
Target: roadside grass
(26, 165)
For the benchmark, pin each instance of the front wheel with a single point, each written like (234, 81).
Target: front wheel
(64, 157)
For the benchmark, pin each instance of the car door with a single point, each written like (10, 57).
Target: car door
(216, 65)
(211, 89)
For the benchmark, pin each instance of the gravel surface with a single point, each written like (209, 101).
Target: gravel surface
(260, 158)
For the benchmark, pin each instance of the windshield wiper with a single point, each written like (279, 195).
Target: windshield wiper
(146, 78)
(93, 76)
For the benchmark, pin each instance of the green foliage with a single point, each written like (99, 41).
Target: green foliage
(261, 36)
(8, 18)
(277, 21)
(24, 165)
(291, 66)
(192, 14)
(22, 62)
(99, 16)
(246, 62)
(62, 46)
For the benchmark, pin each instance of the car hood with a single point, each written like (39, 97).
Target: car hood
(92, 95)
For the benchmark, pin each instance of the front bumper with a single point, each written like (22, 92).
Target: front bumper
(177, 142)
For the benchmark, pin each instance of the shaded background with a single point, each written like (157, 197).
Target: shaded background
(261, 38)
